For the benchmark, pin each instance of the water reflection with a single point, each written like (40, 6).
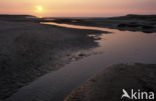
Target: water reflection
(80, 27)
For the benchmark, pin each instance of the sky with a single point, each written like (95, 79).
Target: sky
(77, 8)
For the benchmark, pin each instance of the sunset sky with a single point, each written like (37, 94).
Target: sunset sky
(77, 8)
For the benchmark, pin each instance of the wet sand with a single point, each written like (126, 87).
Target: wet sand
(30, 50)
(107, 85)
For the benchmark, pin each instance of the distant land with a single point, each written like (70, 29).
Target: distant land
(132, 22)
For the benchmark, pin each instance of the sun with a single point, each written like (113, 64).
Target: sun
(39, 8)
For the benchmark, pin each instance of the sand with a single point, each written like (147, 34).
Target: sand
(107, 85)
(29, 50)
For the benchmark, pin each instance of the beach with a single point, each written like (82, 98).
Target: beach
(31, 49)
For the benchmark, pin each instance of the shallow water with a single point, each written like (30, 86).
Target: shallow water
(119, 47)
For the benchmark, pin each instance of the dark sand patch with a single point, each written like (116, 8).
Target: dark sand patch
(108, 84)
